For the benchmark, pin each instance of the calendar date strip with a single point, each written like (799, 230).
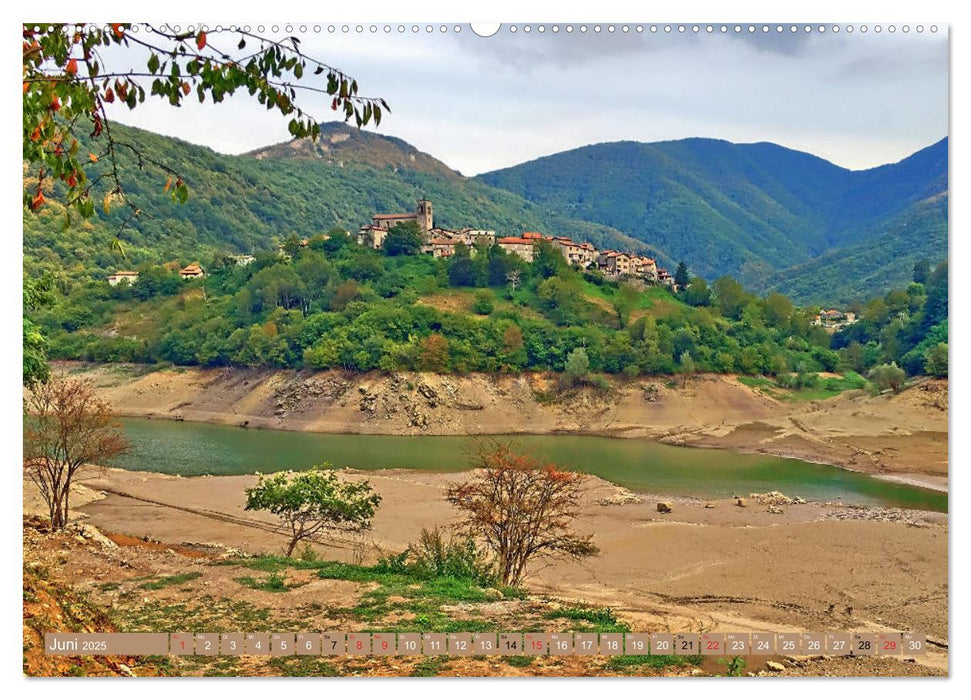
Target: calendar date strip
(485, 644)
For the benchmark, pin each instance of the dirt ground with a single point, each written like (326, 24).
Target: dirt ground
(903, 436)
(707, 565)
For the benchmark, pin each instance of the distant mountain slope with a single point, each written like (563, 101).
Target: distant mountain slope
(882, 263)
(740, 209)
(340, 144)
(242, 203)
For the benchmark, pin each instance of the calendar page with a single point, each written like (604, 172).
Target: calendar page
(537, 349)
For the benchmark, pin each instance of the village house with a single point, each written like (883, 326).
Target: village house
(588, 255)
(473, 236)
(833, 320)
(644, 268)
(580, 254)
(123, 276)
(191, 272)
(519, 245)
(663, 277)
(281, 249)
(372, 236)
(615, 264)
(440, 247)
(244, 260)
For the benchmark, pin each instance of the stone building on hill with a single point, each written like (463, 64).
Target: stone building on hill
(423, 216)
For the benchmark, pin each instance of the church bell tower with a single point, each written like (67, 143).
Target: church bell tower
(424, 216)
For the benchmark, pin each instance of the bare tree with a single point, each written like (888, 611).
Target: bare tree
(522, 509)
(65, 427)
(513, 277)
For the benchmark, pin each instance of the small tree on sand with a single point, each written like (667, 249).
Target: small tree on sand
(522, 509)
(686, 367)
(311, 501)
(888, 377)
(577, 366)
(65, 427)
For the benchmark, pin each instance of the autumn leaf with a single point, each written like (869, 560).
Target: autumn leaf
(118, 30)
(168, 184)
(109, 95)
(201, 41)
(37, 201)
(93, 158)
(72, 67)
(185, 88)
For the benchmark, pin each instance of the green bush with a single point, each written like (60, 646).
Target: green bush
(888, 377)
(435, 556)
(484, 302)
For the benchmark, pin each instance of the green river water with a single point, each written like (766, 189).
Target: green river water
(189, 449)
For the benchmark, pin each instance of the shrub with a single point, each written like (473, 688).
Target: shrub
(577, 365)
(435, 556)
(484, 302)
(935, 360)
(888, 377)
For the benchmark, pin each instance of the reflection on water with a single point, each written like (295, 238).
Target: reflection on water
(641, 465)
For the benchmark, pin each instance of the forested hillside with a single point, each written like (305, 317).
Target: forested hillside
(882, 262)
(749, 210)
(247, 203)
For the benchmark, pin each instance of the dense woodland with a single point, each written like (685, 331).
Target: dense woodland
(335, 304)
(772, 217)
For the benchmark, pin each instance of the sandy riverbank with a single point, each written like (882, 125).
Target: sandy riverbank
(903, 436)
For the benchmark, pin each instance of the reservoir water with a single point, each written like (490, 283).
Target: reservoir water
(190, 449)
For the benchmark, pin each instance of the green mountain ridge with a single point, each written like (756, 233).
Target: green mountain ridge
(748, 210)
(245, 203)
(883, 262)
(773, 217)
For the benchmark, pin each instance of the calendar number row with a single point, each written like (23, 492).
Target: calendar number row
(488, 644)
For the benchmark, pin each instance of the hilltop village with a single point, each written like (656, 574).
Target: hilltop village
(441, 243)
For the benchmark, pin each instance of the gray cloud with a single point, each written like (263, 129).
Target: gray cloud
(485, 103)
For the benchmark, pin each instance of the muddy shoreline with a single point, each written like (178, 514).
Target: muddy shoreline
(900, 438)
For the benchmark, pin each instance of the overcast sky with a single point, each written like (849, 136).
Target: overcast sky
(479, 104)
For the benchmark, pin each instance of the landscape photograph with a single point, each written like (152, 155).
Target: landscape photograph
(602, 350)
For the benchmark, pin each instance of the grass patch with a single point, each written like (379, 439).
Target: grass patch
(303, 666)
(274, 583)
(166, 581)
(598, 619)
(419, 599)
(518, 661)
(655, 661)
(820, 390)
(430, 667)
(208, 613)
